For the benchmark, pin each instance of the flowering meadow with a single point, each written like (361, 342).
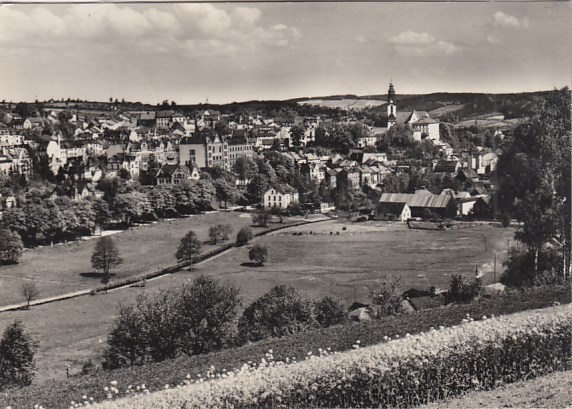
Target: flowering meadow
(403, 372)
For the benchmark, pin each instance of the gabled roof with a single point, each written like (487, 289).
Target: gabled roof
(284, 189)
(419, 199)
(391, 207)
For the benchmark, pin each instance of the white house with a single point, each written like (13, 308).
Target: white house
(280, 197)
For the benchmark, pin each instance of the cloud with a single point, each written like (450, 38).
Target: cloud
(412, 44)
(360, 39)
(501, 19)
(187, 27)
(413, 38)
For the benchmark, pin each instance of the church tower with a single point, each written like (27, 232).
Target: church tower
(391, 107)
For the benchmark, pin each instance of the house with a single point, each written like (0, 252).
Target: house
(176, 174)
(423, 201)
(393, 211)
(350, 178)
(208, 150)
(280, 197)
(447, 166)
(466, 175)
(330, 176)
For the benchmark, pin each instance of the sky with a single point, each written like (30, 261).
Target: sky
(191, 53)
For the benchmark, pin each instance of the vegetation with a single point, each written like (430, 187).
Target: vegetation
(534, 183)
(17, 350)
(11, 247)
(258, 253)
(244, 235)
(220, 232)
(189, 248)
(296, 346)
(386, 297)
(194, 319)
(279, 312)
(260, 219)
(330, 311)
(463, 289)
(105, 257)
(29, 292)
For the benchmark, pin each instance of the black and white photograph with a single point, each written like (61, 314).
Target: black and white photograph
(278, 204)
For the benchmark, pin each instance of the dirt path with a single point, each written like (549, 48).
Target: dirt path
(551, 391)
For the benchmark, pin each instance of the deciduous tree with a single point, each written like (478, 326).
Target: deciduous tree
(105, 257)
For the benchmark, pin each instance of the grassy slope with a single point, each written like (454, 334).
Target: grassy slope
(56, 270)
(550, 391)
(342, 265)
(56, 394)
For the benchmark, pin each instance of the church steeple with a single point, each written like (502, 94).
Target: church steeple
(391, 94)
(391, 107)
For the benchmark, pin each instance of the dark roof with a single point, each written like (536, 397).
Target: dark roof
(284, 189)
(167, 170)
(468, 173)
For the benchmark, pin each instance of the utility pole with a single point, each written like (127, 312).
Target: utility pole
(495, 269)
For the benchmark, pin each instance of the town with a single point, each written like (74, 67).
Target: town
(334, 159)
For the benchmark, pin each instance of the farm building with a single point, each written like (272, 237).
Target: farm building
(280, 197)
(422, 201)
(393, 211)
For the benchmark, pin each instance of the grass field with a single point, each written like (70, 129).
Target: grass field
(318, 264)
(58, 269)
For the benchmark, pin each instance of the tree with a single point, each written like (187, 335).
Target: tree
(215, 233)
(29, 292)
(258, 253)
(296, 136)
(244, 235)
(260, 218)
(245, 168)
(463, 290)
(206, 311)
(17, 350)
(11, 247)
(105, 257)
(329, 311)
(188, 249)
(281, 311)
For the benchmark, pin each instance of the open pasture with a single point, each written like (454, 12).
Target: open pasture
(62, 268)
(318, 264)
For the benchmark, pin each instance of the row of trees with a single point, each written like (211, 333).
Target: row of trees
(200, 318)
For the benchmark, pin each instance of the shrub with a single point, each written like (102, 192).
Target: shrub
(279, 312)
(88, 367)
(329, 311)
(464, 290)
(244, 235)
(258, 253)
(17, 350)
(385, 296)
(520, 268)
(260, 219)
(195, 319)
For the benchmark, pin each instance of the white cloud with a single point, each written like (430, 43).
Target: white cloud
(180, 27)
(501, 19)
(413, 38)
(412, 44)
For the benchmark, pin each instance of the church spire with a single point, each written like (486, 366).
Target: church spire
(391, 107)
(391, 93)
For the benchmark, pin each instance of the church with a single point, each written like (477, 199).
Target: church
(422, 124)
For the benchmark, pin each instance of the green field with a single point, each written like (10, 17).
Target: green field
(58, 269)
(318, 264)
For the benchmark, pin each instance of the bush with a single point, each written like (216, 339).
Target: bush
(244, 235)
(88, 367)
(464, 290)
(520, 268)
(195, 319)
(329, 311)
(17, 350)
(258, 253)
(386, 297)
(279, 312)
(260, 219)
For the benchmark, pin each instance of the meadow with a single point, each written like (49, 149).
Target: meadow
(66, 268)
(318, 264)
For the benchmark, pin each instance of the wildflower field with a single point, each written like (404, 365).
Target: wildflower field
(59, 394)
(404, 372)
